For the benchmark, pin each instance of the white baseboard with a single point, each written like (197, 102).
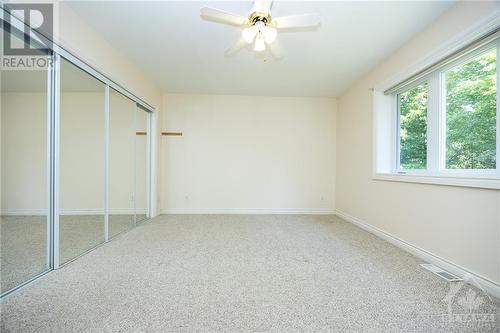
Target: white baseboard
(247, 211)
(66, 212)
(487, 285)
(26, 212)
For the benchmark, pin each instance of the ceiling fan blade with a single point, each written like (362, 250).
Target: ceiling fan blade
(276, 50)
(297, 21)
(262, 6)
(220, 16)
(233, 50)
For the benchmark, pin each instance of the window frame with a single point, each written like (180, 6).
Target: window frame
(436, 123)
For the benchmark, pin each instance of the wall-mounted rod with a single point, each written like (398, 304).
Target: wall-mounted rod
(171, 133)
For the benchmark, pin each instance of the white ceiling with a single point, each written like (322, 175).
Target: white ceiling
(184, 54)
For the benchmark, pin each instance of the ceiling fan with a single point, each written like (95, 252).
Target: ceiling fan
(260, 28)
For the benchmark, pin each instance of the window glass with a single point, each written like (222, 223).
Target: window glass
(413, 127)
(471, 113)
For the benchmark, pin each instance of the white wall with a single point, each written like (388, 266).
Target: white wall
(248, 154)
(461, 225)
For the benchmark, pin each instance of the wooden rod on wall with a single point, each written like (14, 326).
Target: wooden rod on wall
(171, 133)
(141, 133)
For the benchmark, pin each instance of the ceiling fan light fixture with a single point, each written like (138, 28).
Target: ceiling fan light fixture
(260, 44)
(270, 34)
(249, 34)
(260, 28)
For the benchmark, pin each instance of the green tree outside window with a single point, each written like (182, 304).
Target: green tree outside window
(413, 127)
(471, 114)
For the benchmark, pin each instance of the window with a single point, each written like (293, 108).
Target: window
(462, 96)
(471, 113)
(413, 128)
(442, 125)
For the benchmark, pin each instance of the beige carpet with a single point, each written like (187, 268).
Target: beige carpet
(246, 273)
(23, 239)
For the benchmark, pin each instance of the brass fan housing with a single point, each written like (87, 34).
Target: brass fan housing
(259, 17)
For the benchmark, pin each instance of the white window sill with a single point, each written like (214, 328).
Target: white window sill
(487, 183)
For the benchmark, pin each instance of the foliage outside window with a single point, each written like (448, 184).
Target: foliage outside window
(413, 127)
(471, 113)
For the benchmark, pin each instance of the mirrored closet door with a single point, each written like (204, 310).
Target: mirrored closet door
(121, 163)
(141, 164)
(24, 223)
(74, 162)
(82, 168)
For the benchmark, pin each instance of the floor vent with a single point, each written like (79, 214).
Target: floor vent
(441, 273)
